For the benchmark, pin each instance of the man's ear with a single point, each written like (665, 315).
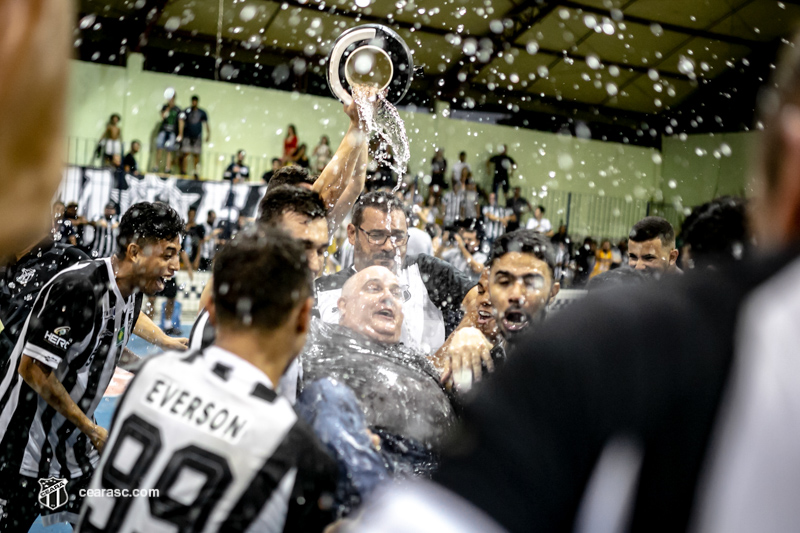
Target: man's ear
(340, 304)
(351, 234)
(554, 291)
(212, 312)
(673, 256)
(304, 315)
(785, 192)
(133, 252)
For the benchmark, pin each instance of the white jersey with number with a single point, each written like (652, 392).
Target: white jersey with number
(222, 450)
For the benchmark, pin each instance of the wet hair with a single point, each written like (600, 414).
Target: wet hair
(524, 241)
(651, 227)
(716, 231)
(383, 201)
(616, 278)
(288, 199)
(259, 277)
(148, 222)
(291, 175)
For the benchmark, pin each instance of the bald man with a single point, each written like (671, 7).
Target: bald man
(372, 305)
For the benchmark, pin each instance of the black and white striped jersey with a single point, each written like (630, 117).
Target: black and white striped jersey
(452, 202)
(78, 326)
(224, 451)
(203, 335)
(493, 229)
(105, 237)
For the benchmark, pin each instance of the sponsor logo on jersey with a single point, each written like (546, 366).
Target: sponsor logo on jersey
(63, 330)
(53, 492)
(25, 276)
(56, 340)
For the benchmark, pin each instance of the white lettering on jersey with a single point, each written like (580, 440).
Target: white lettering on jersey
(182, 404)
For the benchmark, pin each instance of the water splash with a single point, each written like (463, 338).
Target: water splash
(383, 121)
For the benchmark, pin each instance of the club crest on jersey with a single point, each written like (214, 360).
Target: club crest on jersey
(25, 276)
(53, 492)
(63, 330)
(121, 336)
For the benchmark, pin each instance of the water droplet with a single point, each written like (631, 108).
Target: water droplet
(247, 13)
(532, 47)
(725, 149)
(611, 89)
(87, 21)
(686, 65)
(657, 30)
(496, 26)
(363, 3)
(590, 21)
(172, 24)
(593, 62)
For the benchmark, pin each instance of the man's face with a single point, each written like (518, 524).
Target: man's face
(486, 320)
(212, 217)
(109, 212)
(240, 157)
(314, 235)
(492, 198)
(517, 192)
(71, 212)
(191, 216)
(606, 246)
(372, 304)
(135, 148)
(58, 211)
(194, 103)
(470, 240)
(377, 226)
(537, 213)
(651, 256)
(276, 165)
(155, 263)
(520, 286)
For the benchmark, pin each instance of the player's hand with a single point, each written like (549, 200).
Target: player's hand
(98, 436)
(352, 112)
(178, 139)
(468, 348)
(179, 344)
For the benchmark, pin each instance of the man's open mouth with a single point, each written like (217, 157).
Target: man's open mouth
(515, 320)
(484, 316)
(386, 313)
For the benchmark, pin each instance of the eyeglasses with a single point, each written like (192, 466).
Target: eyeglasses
(379, 238)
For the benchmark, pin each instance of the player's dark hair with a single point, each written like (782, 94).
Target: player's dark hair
(527, 242)
(649, 228)
(291, 175)
(615, 279)
(383, 201)
(259, 277)
(541, 208)
(716, 231)
(468, 224)
(288, 199)
(148, 222)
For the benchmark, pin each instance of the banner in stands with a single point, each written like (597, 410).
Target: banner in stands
(93, 188)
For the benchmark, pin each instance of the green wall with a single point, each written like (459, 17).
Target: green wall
(698, 168)
(255, 119)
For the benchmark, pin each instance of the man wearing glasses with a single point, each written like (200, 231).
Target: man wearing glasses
(433, 289)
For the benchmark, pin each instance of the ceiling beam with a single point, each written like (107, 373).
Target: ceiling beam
(699, 33)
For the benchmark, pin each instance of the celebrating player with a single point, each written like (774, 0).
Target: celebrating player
(64, 359)
(207, 430)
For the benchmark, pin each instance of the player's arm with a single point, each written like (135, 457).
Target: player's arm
(41, 379)
(146, 329)
(188, 264)
(343, 178)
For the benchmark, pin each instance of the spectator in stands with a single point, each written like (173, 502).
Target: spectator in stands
(501, 167)
(276, 166)
(237, 171)
(129, 163)
(452, 202)
(519, 206)
(190, 135)
(64, 230)
(461, 169)
(379, 234)
(563, 248)
(469, 198)
(300, 157)
(166, 140)
(111, 140)
(465, 255)
(538, 223)
(715, 233)
(603, 258)
(104, 243)
(290, 143)
(652, 247)
(438, 170)
(322, 154)
(585, 256)
(193, 238)
(495, 219)
(419, 242)
(208, 243)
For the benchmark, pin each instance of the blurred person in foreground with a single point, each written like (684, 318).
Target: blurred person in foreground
(34, 62)
(715, 233)
(64, 359)
(692, 427)
(208, 429)
(651, 247)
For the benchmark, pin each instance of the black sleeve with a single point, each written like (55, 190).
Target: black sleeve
(446, 286)
(533, 433)
(62, 315)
